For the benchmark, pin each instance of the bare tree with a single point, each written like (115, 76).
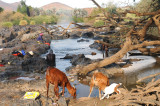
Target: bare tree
(135, 39)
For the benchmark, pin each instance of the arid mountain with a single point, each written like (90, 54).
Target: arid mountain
(57, 6)
(9, 6)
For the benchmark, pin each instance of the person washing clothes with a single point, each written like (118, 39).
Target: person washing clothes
(51, 59)
(40, 38)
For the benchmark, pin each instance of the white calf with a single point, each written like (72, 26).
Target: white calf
(111, 89)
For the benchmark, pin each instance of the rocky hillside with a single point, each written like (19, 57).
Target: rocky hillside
(9, 6)
(56, 5)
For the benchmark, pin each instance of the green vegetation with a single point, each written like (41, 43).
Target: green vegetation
(32, 23)
(23, 22)
(97, 16)
(98, 23)
(1, 9)
(7, 24)
(111, 8)
(78, 15)
(132, 16)
(147, 6)
(23, 8)
(27, 15)
(45, 19)
(78, 19)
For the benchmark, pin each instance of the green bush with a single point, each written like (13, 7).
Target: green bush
(7, 24)
(45, 19)
(16, 22)
(78, 19)
(32, 23)
(23, 22)
(99, 23)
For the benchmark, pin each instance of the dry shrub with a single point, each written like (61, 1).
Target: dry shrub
(23, 22)
(32, 23)
(16, 16)
(5, 16)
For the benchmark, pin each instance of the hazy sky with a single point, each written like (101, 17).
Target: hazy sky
(72, 3)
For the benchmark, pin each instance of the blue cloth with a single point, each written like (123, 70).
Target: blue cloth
(23, 52)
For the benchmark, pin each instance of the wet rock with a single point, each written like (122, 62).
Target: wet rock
(80, 59)
(106, 39)
(74, 36)
(97, 38)
(83, 40)
(104, 33)
(113, 51)
(93, 53)
(68, 56)
(95, 45)
(87, 35)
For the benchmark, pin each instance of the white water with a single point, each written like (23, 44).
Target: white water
(146, 61)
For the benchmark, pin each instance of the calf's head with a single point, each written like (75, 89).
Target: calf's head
(73, 92)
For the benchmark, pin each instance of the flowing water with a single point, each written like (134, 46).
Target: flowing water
(71, 46)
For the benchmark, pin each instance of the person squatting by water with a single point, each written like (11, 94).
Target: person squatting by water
(50, 58)
(40, 38)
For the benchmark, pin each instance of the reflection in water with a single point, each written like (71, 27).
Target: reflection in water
(71, 46)
(129, 79)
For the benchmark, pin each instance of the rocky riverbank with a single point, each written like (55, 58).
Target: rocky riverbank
(34, 67)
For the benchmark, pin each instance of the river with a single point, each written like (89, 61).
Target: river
(71, 46)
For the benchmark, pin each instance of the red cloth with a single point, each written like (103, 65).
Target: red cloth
(16, 54)
(1, 65)
(48, 44)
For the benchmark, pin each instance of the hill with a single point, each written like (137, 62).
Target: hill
(9, 6)
(57, 6)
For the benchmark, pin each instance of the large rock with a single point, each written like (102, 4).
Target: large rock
(80, 59)
(35, 64)
(87, 35)
(95, 45)
(29, 36)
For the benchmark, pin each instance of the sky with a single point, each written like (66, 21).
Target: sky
(72, 3)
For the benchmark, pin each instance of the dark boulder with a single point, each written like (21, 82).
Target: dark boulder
(74, 36)
(83, 40)
(95, 45)
(34, 64)
(80, 59)
(87, 35)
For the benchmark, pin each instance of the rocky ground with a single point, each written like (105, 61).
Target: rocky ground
(12, 90)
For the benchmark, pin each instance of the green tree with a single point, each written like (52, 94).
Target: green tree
(23, 8)
(36, 11)
(148, 6)
(1, 9)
